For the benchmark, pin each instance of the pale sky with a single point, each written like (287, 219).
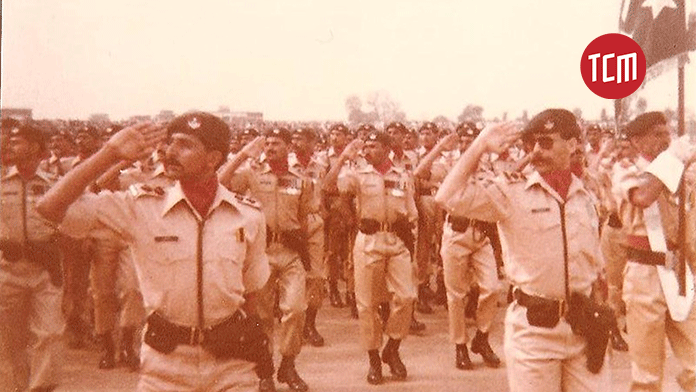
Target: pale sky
(300, 59)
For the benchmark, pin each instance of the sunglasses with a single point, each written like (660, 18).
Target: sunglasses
(545, 142)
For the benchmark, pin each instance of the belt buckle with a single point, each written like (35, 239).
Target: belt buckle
(383, 226)
(562, 308)
(195, 336)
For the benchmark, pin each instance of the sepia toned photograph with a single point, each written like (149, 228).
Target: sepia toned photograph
(348, 196)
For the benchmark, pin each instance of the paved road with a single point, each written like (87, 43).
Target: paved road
(342, 366)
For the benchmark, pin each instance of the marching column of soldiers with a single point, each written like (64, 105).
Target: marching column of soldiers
(222, 246)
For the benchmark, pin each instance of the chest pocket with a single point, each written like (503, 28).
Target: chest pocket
(395, 188)
(371, 187)
(170, 248)
(543, 218)
(229, 246)
(290, 186)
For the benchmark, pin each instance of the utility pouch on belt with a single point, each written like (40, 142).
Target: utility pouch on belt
(541, 312)
(159, 335)
(594, 322)
(241, 336)
(296, 240)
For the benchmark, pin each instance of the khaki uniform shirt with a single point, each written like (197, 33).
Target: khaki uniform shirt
(285, 200)
(529, 215)
(314, 172)
(167, 236)
(19, 220)
(380, 197)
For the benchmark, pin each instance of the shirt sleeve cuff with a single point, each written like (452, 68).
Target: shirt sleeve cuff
(668, 169)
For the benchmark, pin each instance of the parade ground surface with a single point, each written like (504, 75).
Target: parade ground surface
(341, 365)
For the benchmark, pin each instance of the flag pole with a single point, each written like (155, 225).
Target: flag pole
(681, 235)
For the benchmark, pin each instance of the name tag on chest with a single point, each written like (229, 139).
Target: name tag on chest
(395, 188)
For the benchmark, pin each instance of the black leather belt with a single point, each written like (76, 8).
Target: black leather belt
(646, 257)
(371, 226)
(180, 334)
(459, 224)
(533, 301)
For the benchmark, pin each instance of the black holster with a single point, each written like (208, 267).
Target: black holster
(402, 228)
(43, 253)
(296, 240)
(594, 322)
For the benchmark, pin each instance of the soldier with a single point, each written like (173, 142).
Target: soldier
(549, 230)
(286, 199)
(468, 259)
(314, 167)
(383, 248)
(31, 330)
(200, 294)
(340, 228)
(648, 209)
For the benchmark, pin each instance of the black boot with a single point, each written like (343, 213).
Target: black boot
(462, 357)
(390, 356)
(334, 295)
(106, 343)
(350, 303)
(480, 346)
(424, 294)
(441, 291)
(416, 326)
(374, 375)
(128, 354)
(287, 374)
(310, 333)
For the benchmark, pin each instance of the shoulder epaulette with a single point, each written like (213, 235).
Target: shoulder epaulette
(514, 176)
(138, 190)
(246, 200)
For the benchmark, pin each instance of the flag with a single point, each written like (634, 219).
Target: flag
(658, 26)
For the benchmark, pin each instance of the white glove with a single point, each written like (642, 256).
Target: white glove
(683, 149)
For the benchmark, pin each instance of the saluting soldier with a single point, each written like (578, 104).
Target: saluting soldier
(549, 231)
(382, 253)
(314, 167)
(286, 199)
(31, 329)
(467, 259)
(198, 251)
(648, 209)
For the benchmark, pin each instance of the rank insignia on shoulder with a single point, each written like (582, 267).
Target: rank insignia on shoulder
(146, 190)
(512, 176)
(246, 200)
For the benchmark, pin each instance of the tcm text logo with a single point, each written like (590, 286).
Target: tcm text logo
(613, 66)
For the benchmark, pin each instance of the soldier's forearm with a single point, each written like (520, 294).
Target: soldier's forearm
(460, 173)
(56, 201)
(228, 169)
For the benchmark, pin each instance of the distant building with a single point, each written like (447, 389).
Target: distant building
(21, 114)
(165, 116)
(138, 119)
(99, 119)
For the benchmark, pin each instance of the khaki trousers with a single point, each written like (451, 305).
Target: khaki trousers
(466, 258)
(648, 323)
(287, 285)
(383, 272)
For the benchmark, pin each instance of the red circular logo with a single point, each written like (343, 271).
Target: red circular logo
(613, 66)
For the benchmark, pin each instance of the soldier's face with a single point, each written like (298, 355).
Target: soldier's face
(428, 138)
(275, 149)
(338, 139)
(186, 158)
(551, 152)
(301, 144)
(21, 149)
(654, 142)
(375, 152)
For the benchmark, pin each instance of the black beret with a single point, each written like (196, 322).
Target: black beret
(396, 125)
(366, 127)
(31, 134)
(306, 132)
(429, 126)
(280, 132)
(554, 121)
(380, 137)
(87, 130)
(9, 123)
(250, 132)
(469, 128)
(340, 128)
(209, 129)
(644, 123)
